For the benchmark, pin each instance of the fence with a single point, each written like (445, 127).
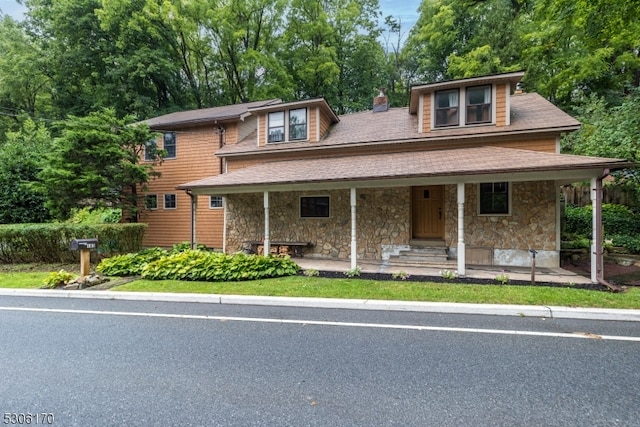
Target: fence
(581, 195)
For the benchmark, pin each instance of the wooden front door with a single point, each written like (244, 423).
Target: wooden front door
(428, 212)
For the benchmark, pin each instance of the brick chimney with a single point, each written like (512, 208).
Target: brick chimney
(380, 102)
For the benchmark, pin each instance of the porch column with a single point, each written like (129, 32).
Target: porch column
(267, 240)
(596, 239)
(354, 249)
(461, 245)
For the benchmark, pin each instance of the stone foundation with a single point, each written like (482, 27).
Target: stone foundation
(384, 222)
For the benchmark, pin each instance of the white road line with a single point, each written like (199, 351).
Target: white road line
(583, 335)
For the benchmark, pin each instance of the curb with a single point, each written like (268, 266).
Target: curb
(555, 312)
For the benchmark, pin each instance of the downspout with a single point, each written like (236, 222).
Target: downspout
(193, 217)
(597, 249)
(221, 131)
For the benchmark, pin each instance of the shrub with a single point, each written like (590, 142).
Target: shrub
(616, 219)
(631, 243)
(58, 278)
(213, 266)
(354, 272)
(130, 264)
(25, 243)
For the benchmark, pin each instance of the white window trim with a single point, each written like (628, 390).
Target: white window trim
(175, 143)
(509, 194)
(462, 109)
(286, 127)
(164, 201)
(216, 207)
(313, 217)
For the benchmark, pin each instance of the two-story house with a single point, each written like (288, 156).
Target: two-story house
(472, 166)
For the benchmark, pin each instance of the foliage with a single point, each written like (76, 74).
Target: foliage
(130, 264)
(610, 131)
(311, 272)
(21, 243)
(96, 163)
(181, 247)
(579, 48)
(58, 278)
(353, 272)
(214, 266)
(448, 274)
(95, 216)
(502, 278)
(20, 163)
(188, 264)
(401, 275)
(616, 220)
(460, 38)
(631, 243)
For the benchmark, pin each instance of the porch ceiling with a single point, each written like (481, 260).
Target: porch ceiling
(464, 165)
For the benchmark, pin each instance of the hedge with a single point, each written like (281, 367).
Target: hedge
(26, 243)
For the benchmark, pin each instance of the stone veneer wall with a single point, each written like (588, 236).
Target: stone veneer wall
(383, 218)
(532, 223)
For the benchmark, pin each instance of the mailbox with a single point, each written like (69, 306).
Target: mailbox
(80, 244)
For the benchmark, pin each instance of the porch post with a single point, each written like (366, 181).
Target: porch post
(354, 249)
(461, 245)
(267, 240)
(596, 240)
(194, 207)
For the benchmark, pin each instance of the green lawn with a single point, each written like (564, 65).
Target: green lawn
(301, 286)
(30, 280)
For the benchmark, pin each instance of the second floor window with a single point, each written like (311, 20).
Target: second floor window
(169, 145)
(447, 108)
(276, 126)
(288, 125)
(298, 124)
(479, 104)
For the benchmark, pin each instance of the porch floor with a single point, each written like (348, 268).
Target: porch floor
(548, 275)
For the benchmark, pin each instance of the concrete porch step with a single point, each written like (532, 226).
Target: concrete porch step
(444, 265)
(422, 255)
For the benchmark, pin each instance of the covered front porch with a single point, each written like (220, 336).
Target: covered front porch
(258, 190)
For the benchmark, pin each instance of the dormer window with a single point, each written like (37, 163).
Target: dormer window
(294, 128)
(466, 106)
(447, 108)
(298, 124)
(276, 126)
(479, 104)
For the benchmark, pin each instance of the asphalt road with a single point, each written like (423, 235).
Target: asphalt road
(115, 363)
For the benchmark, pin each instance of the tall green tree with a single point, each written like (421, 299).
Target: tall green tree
(333, 51)
(610, 132)
(24, 88)
(464, 38)
(246, 39)
(96, 162)
(20, 163)
(578, 48)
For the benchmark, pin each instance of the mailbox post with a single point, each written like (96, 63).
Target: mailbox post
(85, 246)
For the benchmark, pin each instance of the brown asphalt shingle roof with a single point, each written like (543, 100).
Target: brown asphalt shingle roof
(529, 112)
(422, 164)
(205, 115)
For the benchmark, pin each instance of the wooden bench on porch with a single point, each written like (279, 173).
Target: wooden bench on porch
(278, 247)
